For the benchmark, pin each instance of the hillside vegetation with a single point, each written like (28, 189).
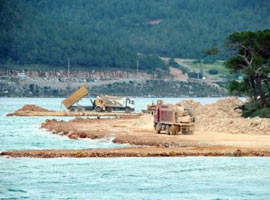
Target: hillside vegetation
(113, 33)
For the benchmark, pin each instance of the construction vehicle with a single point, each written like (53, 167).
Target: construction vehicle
(151, 108)
(100, 104)
(173, 120)
(70, 102)
(111, 103)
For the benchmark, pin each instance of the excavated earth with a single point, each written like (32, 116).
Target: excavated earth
(36, 111)
(220, 131)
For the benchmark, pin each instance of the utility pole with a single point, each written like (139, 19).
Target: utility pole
(137, 68)
(200, 70)
(68, 70)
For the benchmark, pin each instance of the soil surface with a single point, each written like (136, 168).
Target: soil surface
(140, 131)
(36, 111)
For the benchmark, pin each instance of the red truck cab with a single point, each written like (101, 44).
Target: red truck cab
(173, 119)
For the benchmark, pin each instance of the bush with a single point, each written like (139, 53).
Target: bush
(212, 71)
(253, 110)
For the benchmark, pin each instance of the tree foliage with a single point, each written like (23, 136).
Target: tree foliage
(111, 32)
(251, 57)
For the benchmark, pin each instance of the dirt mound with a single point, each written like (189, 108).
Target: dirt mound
(223, 108)
(223, 116)
(145, 122)
(29, 107)
(190, 104)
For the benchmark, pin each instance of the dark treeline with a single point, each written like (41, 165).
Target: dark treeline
(111, 33)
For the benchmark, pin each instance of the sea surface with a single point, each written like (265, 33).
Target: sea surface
(116, 178)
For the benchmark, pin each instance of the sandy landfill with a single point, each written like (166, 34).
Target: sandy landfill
(219, 131)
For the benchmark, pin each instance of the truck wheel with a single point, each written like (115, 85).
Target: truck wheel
(174, 130)
(109, 109)
(167, 130)
(98, 109)
(185, 130)
(72, 109)
(80, 109)
(158, 128)
(127, 110)
(179, 130)
(191, 130)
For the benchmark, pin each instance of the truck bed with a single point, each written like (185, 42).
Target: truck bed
(75, 97)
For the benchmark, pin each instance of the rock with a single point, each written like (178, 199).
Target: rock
(73, 136)
(237, 153)
(83, 135)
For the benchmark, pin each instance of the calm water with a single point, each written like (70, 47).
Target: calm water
(116, 178)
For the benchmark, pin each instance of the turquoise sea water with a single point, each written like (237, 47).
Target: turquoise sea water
(116, 178)
(24, 132)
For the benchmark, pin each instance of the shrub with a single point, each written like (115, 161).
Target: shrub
(253, 110)
(212, 71)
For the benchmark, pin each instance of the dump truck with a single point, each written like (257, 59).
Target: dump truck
(100, 104)
(111, 103)
(173, 119)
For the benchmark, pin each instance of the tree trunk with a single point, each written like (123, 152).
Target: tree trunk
(268, 86)
(253, 86)
(260, 90)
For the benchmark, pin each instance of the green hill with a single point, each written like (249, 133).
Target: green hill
(111, 33)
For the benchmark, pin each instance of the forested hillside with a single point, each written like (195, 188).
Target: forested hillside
(114, 33)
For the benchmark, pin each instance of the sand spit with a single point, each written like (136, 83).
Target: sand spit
(138, 152)
(36, 111)
(139, 131)
(219, 131)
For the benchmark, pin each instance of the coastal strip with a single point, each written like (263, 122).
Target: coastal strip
(138, 152)
(36, 111)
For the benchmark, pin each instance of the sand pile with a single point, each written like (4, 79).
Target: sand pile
(223, 116)
(144, 122)
(34, 108)
(27, 109)
(190, 104)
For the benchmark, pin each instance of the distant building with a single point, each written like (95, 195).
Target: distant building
(21, 75)
(154, 22)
